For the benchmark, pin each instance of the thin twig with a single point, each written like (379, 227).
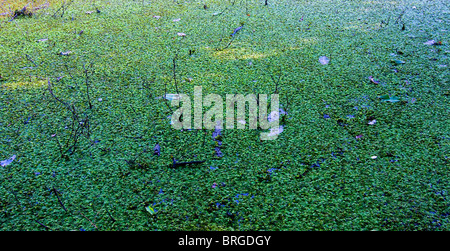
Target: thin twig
(175, 72)
(63, 7)
(232, 39)
(89, 220)
(42, 224)
(76, 126)
(165, 97)
(67, 68)
(399, 18)
(59, 200)
(29, 59)
(87, 85)
(276, 82)
(109, 214)
(56, 98)
(225, 9)
(175, 163)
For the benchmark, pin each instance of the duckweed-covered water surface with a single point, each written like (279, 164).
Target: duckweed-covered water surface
(87, 140)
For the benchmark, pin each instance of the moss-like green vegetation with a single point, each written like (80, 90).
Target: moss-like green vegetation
(81, 109)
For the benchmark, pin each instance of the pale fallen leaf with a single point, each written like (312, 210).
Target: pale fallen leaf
(324, 60)
(373, 80)
(273, 116)
(430, 42)
(176, 20)
(275, 131)
(7, 161)
(43, 40)
(66, 53)
(181, 34)
(372, 122)
(373, 157)
(157, 17)
(171, 96)
(89, 12)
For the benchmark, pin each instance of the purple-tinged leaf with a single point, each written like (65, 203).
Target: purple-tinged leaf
(218, 152)
(7, 161)
(324, 60)
(157, 150)
(236, 30)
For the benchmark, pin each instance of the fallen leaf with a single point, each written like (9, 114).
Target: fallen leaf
(43, 40)
(236, 30)
(217, 131)
(176, 20)
(373, 80)
(157, 149)
(324, 60)
(275, 131)
(273, 116)
(387, 98)
(218, 152)
(171, 96)
(181, 34)
(65, 53)
(398, 62)
(89, 12)
(7, 161)
(372, 122)
(432, 42)
(373, 157)
(157, 17)
(150, 210)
